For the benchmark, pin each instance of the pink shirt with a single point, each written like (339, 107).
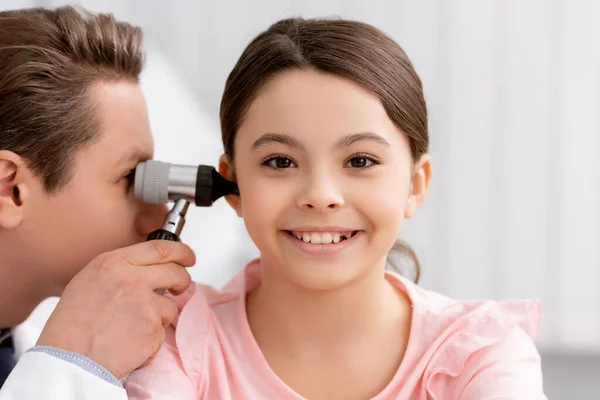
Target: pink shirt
(467, 350)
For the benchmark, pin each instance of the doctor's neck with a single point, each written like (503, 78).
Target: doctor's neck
(21, 290)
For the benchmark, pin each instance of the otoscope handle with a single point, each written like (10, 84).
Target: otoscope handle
(172, 226)
(162, 234)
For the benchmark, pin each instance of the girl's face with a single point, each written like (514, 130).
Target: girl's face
(325, 177)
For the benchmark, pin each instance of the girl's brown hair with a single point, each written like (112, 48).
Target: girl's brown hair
(353, 50)
(48, 61)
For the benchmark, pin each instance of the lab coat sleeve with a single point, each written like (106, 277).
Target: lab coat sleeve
(40, 375)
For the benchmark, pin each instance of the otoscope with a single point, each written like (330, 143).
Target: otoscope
(158, 182)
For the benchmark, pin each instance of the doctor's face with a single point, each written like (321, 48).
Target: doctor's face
(96, 211)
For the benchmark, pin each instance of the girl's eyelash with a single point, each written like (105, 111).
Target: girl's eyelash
(364, 156)
(274, 157)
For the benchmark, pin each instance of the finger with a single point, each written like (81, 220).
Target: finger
(167, 308)
(149, 360)
(170, 276)
(153, 356)
(159, 252)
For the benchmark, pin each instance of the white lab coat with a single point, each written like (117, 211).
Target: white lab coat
(41, 376)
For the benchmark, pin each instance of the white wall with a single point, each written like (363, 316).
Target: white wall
(514, 94)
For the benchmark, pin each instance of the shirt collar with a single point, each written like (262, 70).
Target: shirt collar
(4, 334)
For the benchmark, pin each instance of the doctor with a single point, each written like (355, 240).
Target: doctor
(73, 126)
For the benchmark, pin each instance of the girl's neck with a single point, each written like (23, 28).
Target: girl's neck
(288, 316)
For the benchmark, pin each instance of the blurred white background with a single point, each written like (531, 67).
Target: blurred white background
(513, 89)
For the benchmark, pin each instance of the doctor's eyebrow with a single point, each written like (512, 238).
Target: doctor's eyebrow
(136, 155)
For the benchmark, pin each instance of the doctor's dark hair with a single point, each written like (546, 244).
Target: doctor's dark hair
(49, 60)
(353, 50)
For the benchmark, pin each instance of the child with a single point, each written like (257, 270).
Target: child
(325, 131)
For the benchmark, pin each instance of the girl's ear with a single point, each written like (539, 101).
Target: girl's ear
(227, 171)
(419, 186)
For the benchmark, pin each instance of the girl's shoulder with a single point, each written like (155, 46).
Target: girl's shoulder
(201, 299)
(469, 344)
(446, 316)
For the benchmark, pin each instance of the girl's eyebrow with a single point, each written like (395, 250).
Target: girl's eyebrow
(280, 138)
(346, 141)
(349, 140)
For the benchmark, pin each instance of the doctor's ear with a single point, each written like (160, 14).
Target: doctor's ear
(227, 171)
(15, 182)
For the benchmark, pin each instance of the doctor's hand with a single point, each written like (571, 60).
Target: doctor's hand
(110, 313)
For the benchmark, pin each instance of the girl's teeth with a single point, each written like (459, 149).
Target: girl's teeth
(315, 238)
(319, 237)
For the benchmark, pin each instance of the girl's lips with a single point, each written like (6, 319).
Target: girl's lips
(322, 249)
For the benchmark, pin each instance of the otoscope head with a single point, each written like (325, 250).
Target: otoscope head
(159, 182)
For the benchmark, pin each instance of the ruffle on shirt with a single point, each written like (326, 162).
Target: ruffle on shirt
(194, 323)
(484, 324)
(190, 339)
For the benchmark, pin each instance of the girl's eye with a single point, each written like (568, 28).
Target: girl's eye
(279, 162)
(361, 161)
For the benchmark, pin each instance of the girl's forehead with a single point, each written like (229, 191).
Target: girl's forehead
(314, 105)
(308, 87)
